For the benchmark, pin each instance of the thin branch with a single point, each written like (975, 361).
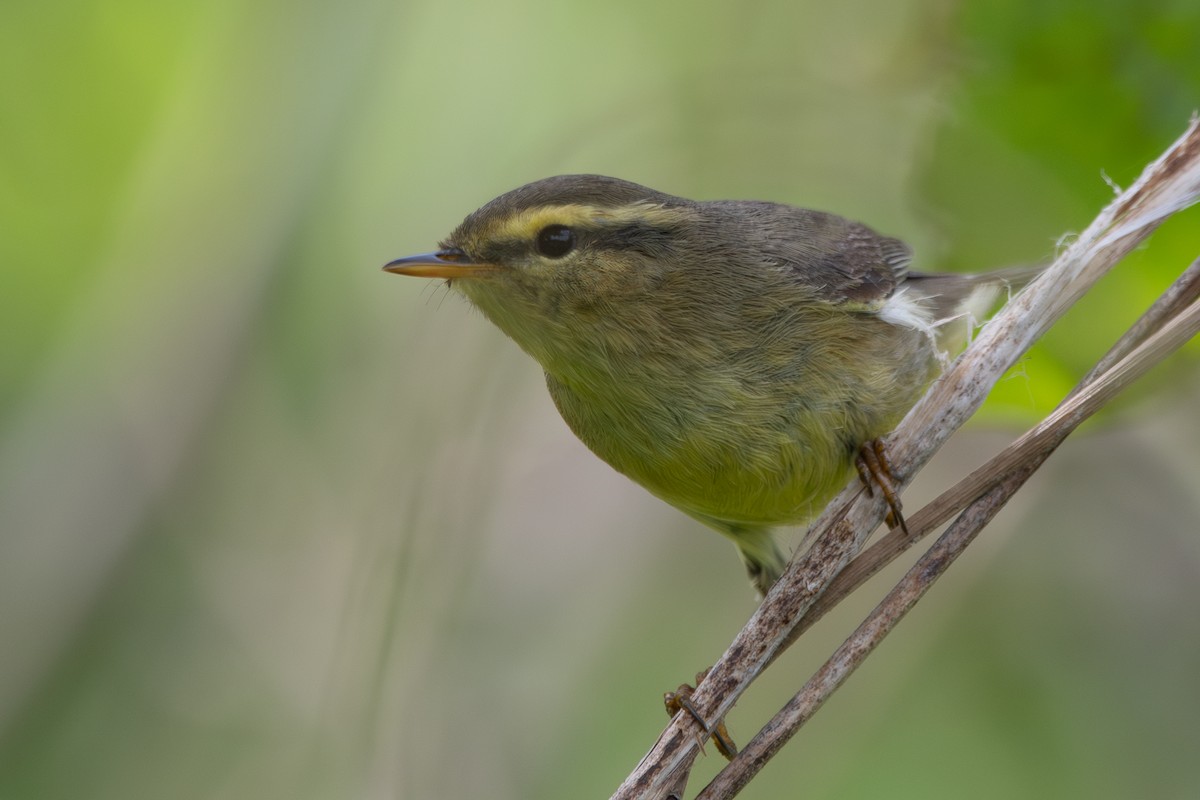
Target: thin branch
(1178, 296)
(1184, 291)
(856, 648)
(1169, 184)
(1088, 398)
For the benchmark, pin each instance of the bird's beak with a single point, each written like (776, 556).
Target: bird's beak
(442, 264)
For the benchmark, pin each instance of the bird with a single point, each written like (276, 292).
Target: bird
(736, 358)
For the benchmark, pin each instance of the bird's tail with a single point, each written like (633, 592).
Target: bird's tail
(760, 553)
(959, 303)
(756, 546)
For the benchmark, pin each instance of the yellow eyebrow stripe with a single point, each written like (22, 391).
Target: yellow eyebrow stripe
(525, 225)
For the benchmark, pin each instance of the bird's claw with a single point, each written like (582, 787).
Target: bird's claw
(681, 700)
(874, 471)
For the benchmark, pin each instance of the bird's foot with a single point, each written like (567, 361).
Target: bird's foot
(874, 471)
(681, 700)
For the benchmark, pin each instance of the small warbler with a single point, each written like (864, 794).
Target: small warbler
(732, 357)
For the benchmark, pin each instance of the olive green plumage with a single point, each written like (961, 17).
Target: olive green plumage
(729, 356)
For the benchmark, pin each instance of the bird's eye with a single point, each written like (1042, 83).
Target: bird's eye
(555, 241)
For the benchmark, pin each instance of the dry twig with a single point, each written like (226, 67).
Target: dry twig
(1182, 293)
(1166, 186)
(1035, 447)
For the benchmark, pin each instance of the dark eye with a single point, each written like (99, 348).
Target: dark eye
(555, 241)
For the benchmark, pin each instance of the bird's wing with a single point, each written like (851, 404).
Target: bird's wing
(846, 262)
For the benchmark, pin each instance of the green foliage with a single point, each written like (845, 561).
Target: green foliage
(275, 524)
(1053, 101)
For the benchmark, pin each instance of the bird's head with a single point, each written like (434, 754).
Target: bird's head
(563, 252)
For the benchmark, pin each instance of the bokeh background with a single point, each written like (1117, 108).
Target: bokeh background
(275, 524)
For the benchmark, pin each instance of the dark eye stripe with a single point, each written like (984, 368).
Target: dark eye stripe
(647, 239)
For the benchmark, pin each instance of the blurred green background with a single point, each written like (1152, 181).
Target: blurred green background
(274, 524)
